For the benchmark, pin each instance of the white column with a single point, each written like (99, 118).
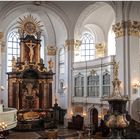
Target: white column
(69, 48)
(1, 43)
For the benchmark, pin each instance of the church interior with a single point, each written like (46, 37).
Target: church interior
(69, 69)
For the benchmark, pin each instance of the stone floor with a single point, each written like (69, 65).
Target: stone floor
(63, 133)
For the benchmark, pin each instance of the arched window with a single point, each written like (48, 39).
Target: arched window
(79, 85)
(93, 85)
(13, 48)
(111, 43)
(87, 48)
(61, 61)
(106, 84)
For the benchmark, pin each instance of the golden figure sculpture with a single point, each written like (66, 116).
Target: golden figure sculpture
(31, 46)
(116, 67)
(50, 62)
(13, 62)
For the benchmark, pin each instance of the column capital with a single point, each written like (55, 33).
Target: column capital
(2, 46)
(100, 49)
(1, 36)
(74, 44)
(119, 29)
(51, 49)
(133, 28)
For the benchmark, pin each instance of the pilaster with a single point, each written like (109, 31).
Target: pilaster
(1, 45)
(69, 48)
(127, 53)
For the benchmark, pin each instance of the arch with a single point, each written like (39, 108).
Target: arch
(79, 85)
(98, 9)
(111, 49)
(48, 14)
(135, 109)
(94, 117)
(93, 85)
(106, 83)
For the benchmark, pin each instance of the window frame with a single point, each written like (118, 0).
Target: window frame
(106, 84)
(87, 52)
(79, 86)
(94, 85)
(14, 47)
(61, 60)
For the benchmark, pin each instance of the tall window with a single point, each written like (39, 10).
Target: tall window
(106, 84)
(87, 49)
(111, 42)
(79, 85)
(93, 85)
(13, 48)
(61, 61)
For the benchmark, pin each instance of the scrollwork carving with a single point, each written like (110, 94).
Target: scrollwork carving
(52, 50)
(119, 29)
(100, 49)
(133, 28)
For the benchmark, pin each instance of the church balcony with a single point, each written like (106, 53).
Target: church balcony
(90, 100)
(104, 61)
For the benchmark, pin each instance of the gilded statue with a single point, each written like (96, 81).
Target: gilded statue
(13, 63)
(116, 67)
(50, 62)
(31, 46)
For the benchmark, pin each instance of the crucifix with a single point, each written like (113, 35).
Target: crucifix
(31, 46)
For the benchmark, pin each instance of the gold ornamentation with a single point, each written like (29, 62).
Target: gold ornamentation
(52, 50)
(50, 62)
(1, 36)
(119, 29)
(78, 109)
(29, 24)
(93, 72)
(133, 28)
(30, 28)
(31, 46)
(116, 67)
(69, 42)
(100, 49)
(2, 45)
(13, 63)
(75, 44)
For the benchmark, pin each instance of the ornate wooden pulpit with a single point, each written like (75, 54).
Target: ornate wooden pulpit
(30, 83)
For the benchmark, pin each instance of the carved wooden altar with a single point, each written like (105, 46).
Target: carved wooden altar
(29, 83)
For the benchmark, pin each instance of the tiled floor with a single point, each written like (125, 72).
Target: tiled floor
(63, 133)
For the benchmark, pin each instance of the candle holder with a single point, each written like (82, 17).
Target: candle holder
(3, 127)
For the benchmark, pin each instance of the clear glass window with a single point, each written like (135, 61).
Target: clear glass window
(106, 84)
(61, 61)
(79, 85)
(87, 48)
(93, 85)
(13, 48)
